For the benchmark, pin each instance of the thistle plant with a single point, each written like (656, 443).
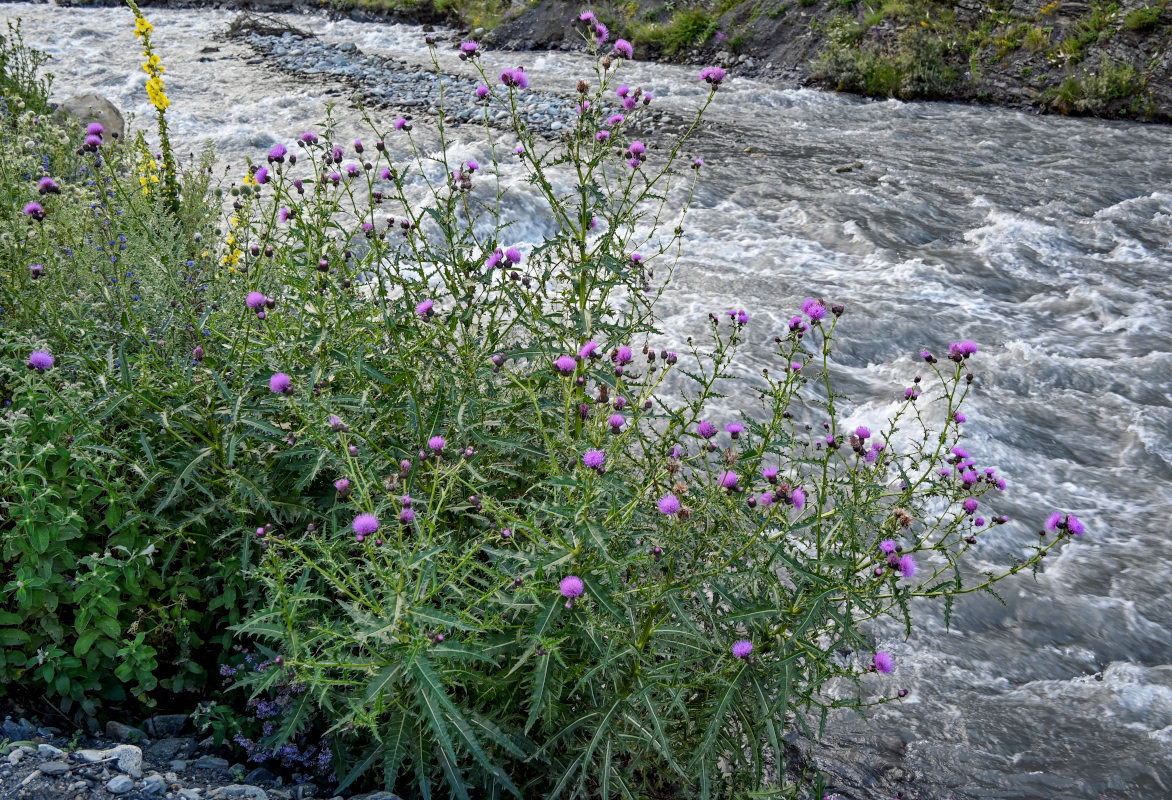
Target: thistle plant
(487, 526)
(543, 558)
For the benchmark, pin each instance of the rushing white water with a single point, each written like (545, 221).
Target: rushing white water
(1045, 239)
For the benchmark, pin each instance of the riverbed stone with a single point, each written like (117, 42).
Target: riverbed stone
(165, 725)
(54, 768)
(93, 107)
(245, 791)
(211, 762)
(129, 759)
(154, 785)
(119, 784)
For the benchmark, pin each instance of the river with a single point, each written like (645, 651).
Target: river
(1047, 240)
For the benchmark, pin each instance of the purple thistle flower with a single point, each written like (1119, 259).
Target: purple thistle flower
(887, 546)
(34, 210)
(280, 383)
(571, 586)
(255, 300)
(93, 142)
(735, 429)
(615, 119)
(95, 129)
(669, 504)
(712, 75)
(601, 33)
(425, 308)
(336, 424)
(309, 137)
(40, 360)
(623, 48)
(342, 485)
(727, 479)
(637, 149)
(706, 429)
(742, 648)
(468, 49)
(365, 524)
(798, 498)
(481, 91)
(262, 175)
(401, 124)
(602, 136)
(565, 364)
(513, 255)
(586, 16)
(884, 662)
(515, 78)
(968, 477)
(406, 516)
(48, 186)
(814, 309)
(863, 432)
(197, 353)
(278, 152)
(872, 455)
(283, 214)
(959, 417)
(960, 452)
(36, 270)
(623, 355)
(766, 499)
(436, 443)
(616, 422)
(594, 458)
(588, 350)
(1053, 521)
(970, 505)
(495, 259)
(907, 566)
(1074, 525)
(769, 474)
(979, 521)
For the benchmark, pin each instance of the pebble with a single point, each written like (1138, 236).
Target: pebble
(89, 756)
(211, 762)
(54, 768)
(124, 733)
(48, 750)
(190, 794)
(245, 791)
(119, 784)
(15, 756)
(154, 784)
(177, 765)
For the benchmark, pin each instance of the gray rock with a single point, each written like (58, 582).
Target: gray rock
(129, 759)
(190, 794)
(245, 791)
(167, 749)
(17, 731)
(54, 768)
(124, 733)
(259, 775)
(89, 756)
(376, 796)
(48, 751)
(164, 725)
(15, 756)
(93, 107)
(211, 762)
(154, 784)
(119, 784)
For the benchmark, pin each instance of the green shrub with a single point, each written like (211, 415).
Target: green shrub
(1146, 18)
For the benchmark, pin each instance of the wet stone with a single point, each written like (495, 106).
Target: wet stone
(54, 768)
(119, 784)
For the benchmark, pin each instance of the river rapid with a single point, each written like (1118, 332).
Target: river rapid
(1044, 239)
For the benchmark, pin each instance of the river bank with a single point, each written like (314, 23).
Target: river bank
(1105, 59)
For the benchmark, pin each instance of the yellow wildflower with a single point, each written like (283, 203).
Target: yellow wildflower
(142, 27)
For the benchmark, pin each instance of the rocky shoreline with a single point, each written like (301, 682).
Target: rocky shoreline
(163, 760)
